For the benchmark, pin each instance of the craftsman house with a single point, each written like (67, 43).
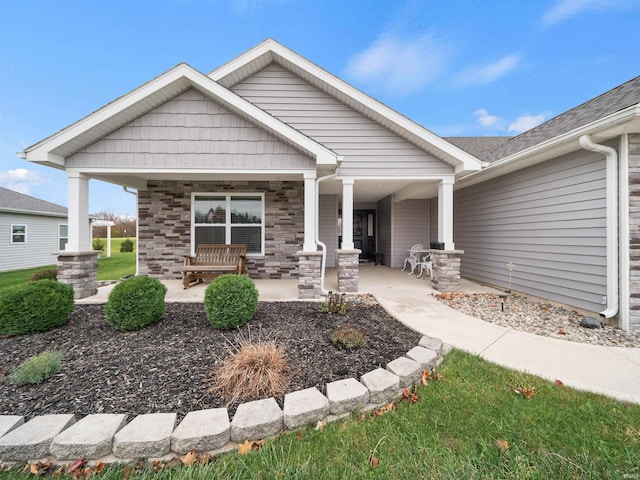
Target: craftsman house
(32, 229)
(272, 151)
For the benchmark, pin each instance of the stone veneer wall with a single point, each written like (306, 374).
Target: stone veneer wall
(446, 270)
(348, 265)
(634, 232)
(309, 275)
(79, 269)
(164, 226)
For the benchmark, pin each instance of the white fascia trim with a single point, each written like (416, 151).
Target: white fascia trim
(270, 46)
(411, 178)
(204, 171)
(613, 120)
(40, 152)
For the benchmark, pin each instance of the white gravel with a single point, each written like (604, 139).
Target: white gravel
(521, 313)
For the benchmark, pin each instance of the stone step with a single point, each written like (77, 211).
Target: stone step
(147, 435)
(31, 441)
(347, 395)
(91, 437)
(256, 420)
(9, 422)
(408, 371)
(304, 406)
(383, 386)
(427, 358)
(202, 430)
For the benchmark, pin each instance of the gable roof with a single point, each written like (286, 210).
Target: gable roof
(54, 149)
(270, 51)
(479, 147)
(612, 101)
(15, 202)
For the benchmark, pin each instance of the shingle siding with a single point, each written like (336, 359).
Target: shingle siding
(368, 147)
(549, 220)
(190, 131)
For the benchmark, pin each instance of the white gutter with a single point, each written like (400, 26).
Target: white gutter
(135, 193)
(612, 222)
(322, 245)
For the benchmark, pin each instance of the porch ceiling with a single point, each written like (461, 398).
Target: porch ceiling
(375, 190)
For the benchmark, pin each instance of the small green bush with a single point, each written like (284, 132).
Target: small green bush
(35, 307)
(135, 303)
(37, 369)
(348, 338)
(230, 301)
(98, 244)
(48, 274)
(126, 246)
(335, 303)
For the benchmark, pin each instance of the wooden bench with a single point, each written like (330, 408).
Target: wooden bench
(213, 260)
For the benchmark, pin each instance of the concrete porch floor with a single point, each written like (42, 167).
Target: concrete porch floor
(613, 371)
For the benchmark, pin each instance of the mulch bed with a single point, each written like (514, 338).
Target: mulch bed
(167, 367)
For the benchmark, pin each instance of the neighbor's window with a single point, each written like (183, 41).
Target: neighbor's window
(229, 218)
(63, 236)
(18, 234)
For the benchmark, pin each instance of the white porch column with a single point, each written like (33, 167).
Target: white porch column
(347, 214)
(310, 212)
(78, 213)
(445, 213)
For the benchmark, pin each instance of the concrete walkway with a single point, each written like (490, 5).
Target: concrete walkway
(613, 371)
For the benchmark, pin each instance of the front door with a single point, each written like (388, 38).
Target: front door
(364, 236)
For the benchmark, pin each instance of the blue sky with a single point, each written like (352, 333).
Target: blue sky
(460, 68)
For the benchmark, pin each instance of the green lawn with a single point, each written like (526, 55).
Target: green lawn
(470, 424)
(109, 268)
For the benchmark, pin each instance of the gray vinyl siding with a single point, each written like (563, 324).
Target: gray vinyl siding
(369, 148)
(328, 222)
(190, 131)
(549, 220)
(384, 228)
(42, 241)
(411, 226)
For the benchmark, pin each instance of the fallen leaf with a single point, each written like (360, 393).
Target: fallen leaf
(189, 458)
(410, 396)
(78, 464)
(99, 467)
(157, 465)
(299, 435)
(425, 377)
(244, 448)
(559, 383)
(257, 445)
(374, 461)
(127, 473)
(321, 423)
(562, 331)
(526, 392)
(502, 445)
(34, 469)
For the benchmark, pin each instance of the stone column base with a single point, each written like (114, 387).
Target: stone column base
(348, 265)
(79, 269)
(309, 273)
(446, 270)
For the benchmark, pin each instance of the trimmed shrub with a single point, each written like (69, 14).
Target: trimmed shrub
(37, 369)
(253, 370)
(35, 307)
(98, 244)
(135, 303)
(230, 301)
(348, 338)
(126, 246)
(48, 274)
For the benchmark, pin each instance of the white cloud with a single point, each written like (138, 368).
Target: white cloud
(400, 66)
(527, 122)
(489, 73)
(566, 9)
(489, 121)
(20, 180)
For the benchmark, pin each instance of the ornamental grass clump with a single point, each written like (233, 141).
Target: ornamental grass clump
(253, 369)
(35, 307)
(135, 303)
(230, 301)
(348, 338)
(37, 369)
(335, 303)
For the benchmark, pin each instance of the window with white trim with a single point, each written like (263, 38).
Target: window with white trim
(234, 218)
(63, 236)
(18, 234)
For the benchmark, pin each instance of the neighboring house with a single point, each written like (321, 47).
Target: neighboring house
(31, 230)
(272, 151)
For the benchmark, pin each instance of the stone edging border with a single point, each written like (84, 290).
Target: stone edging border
(107, 438)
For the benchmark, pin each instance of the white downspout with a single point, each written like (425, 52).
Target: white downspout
(624, 232)
(126, 189)
(611, 157)
(322, 246)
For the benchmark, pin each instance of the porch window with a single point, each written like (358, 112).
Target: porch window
(18, 234)
(236, 218)
(63, 236)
